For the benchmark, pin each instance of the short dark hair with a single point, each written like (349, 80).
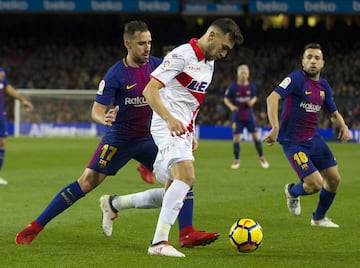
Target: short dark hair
(313, 46)
(227, 25)
(134, 26)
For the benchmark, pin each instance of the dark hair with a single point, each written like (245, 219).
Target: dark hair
(313, 46)
(227, 25)
(134, 26)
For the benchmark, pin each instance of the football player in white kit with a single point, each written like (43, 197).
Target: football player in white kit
(175, 93)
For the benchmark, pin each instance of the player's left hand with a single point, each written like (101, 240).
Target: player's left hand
(344, 134)
(195, 143)
(271, 138)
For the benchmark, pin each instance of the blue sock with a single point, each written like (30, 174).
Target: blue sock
(64, 199)
(185, 217)
(258, 148)
(297, 189)
(325, 201)
(2, 155)
(236, 146)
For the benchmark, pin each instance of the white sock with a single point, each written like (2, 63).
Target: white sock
(147, 199)
(172, 203)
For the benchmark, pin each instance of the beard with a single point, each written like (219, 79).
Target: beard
(312, 73)
(140, 60)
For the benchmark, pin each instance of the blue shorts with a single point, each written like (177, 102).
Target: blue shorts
(113, 153)
(3, 127)
(309, 156)
(239, 125)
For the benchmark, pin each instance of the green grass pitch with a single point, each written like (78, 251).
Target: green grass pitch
(37, 168)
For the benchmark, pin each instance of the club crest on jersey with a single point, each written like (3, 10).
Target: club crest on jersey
(102, 163)
(284, 83)
(322, 94)
(305, 167)
(101, 87)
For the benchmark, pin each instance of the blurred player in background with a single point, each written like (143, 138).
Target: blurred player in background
(175, 93)
(128, 135)
(305, 93)
(5, 86)
(240, 97)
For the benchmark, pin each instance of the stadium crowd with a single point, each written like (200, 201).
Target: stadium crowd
(47, 63)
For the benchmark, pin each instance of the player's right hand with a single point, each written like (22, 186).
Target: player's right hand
(234, 109)
(175, 126)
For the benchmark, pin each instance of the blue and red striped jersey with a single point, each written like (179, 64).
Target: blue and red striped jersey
(123, 85)
(303, 99)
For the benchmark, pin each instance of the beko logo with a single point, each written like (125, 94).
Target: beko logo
(276, 6)
(320, 6)
(13, 5)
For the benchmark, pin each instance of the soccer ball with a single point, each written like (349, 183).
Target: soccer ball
(246, 235)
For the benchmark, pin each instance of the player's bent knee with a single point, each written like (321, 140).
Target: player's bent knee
(189, 181)
(312, 186)
(333, 183)
(90, 180)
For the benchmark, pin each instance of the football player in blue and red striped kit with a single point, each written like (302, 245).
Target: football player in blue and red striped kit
(128, 137)
(6, 87)
(240, 97)
(305, 93)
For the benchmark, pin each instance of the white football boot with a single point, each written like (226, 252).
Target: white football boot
(108, 214)
(325, 222)
(293, 203)
(163, 248)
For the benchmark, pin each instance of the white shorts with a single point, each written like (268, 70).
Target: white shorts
(171, 150)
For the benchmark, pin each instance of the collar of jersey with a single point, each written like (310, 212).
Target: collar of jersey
(199, 54)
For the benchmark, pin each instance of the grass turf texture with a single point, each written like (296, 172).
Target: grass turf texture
(38, 168)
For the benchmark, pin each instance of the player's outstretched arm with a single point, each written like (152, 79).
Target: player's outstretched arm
(338, 120)
(272, 103)
(99, 114)
(16, 95)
